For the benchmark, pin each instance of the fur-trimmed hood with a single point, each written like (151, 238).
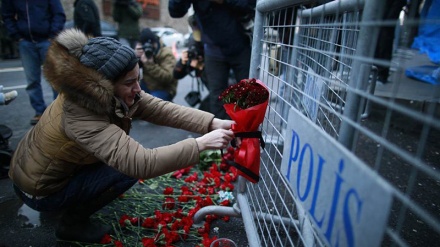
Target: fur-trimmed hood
(80, 84)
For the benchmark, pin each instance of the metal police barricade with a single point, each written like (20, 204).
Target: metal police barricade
(348, 161)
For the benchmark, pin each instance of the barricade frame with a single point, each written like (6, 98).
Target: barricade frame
(271, 214)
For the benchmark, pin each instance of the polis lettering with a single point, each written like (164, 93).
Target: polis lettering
(308, 164)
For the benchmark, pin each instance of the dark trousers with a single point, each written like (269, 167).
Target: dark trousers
(89, 183)
(217, 71)
(384, 47)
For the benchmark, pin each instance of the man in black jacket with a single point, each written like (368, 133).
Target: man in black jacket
(33, 25)
(226, 43)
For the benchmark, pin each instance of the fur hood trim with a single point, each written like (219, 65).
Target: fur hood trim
(78, 83)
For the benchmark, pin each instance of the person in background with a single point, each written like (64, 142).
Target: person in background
(8, 46)
(192, 59)
(192, 63)
(158, 63)
(80, 157)
(33, 25)
(127, 14)
(226, 41)
(139, 50)
(86, 17)
(384, 47)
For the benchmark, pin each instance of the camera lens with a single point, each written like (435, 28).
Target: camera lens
(192, 53)
(148, 50)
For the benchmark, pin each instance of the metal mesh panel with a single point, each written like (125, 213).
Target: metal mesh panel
(319, 60)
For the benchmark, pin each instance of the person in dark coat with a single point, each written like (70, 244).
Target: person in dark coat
(226, 41)
(32, 26)
(127, 14)
(86, 17)
(384, 48)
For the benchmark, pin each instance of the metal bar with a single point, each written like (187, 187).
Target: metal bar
(334, 7)
(367, 35)
(276, 219)
(256, 46)
(248, 219)
(217, 210)
(270, 5)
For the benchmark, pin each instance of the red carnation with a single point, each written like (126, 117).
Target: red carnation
(168, 191)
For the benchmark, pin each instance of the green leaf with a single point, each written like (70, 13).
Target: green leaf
(154, 185)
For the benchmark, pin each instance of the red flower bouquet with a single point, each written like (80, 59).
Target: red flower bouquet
(246, 103)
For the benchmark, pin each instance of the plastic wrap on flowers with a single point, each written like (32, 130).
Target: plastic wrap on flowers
(246, 103)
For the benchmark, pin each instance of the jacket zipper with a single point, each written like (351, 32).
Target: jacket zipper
(29, 21)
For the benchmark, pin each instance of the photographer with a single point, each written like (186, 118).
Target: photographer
(158, 63)
(192, 60)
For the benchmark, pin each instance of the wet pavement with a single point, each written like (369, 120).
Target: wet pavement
(21, 226)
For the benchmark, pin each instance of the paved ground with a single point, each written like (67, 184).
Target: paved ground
(21, 226)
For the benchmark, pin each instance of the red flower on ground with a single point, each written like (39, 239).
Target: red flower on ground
(193, 178)
(224, 167)
(183, 198)
(178, 214)
(134, 221)
(169, 203)
(172, 220)
(118, 244)
(149, 223)
(106, 239)
(208, 241)
(208, 201)
(227, 186)
(148, 242)
(168, 191)
(125, 219)
(180, 173)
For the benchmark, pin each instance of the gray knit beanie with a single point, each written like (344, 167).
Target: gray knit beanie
(108, 56)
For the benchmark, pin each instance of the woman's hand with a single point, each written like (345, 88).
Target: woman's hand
(216, 139)
(221, 124)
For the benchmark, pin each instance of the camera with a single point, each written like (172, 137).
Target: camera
(148, 49)
(195, 51)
